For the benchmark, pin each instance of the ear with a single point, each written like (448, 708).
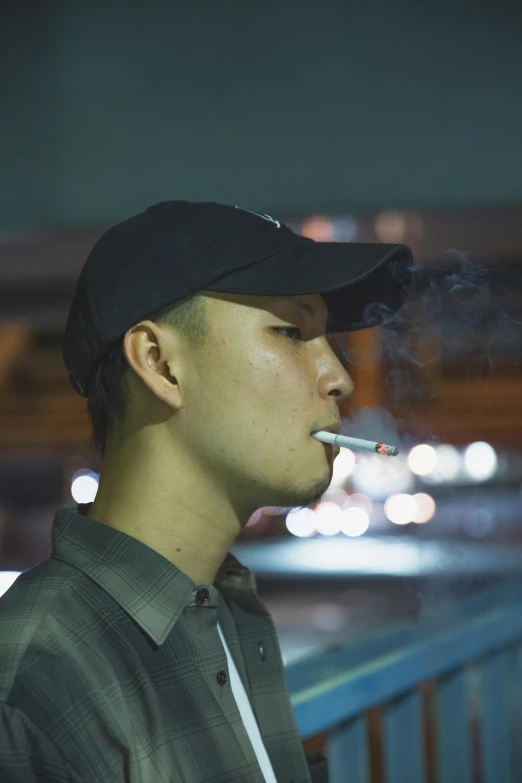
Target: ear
(150, 350)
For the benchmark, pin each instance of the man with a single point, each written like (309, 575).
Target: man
(139, 650)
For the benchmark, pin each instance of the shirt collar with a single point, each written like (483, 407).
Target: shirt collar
(151, 589)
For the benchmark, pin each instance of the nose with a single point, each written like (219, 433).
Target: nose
(340, 385)
(346, 386)
(340, 380)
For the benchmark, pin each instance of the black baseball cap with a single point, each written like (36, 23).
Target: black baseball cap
(175, 249)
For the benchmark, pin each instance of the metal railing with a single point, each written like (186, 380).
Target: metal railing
(470, 714)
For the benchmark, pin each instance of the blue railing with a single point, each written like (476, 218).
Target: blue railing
(467, 659)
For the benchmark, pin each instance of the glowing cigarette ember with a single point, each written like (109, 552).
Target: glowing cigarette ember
(356, 443)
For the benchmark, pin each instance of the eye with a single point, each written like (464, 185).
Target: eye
(290, 329)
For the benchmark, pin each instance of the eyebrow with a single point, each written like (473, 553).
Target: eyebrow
(306, 307)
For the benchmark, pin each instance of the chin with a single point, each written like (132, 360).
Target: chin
(308, 497)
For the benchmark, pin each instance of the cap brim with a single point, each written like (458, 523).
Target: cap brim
(362, 283)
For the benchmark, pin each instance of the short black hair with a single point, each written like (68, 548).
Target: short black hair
(108, 398)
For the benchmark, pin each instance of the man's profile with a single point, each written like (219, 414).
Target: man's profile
(200, 337)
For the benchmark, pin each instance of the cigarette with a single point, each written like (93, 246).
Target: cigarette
(356, 443)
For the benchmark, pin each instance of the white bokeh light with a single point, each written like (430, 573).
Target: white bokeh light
(426, 508)
(301, 522)
(358, 500)
(449, 463)
(401, 509)
(422, 459)
(84, 486)
(343, 466)
(354, 522)
(338, 496)
(480, 461)
(328, 519)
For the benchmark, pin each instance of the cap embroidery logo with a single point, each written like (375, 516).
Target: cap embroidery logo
(265, 217)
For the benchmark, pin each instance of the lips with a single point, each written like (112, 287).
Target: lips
(331, 428)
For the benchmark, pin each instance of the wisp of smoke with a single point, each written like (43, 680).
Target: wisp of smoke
(458, 308)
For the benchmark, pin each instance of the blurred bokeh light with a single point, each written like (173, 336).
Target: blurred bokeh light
(354, 521)
(401, 508)
(480, 461)
(84, 486)
(343, 467)
(422, 459)
(426, 508)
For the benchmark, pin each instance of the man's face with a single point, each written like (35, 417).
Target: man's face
(267, 377)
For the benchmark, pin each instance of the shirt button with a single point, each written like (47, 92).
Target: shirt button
(202, 596)
(221, 678)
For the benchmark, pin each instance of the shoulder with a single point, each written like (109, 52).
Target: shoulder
(24, 748)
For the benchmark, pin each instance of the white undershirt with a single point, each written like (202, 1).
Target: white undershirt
(247, 715)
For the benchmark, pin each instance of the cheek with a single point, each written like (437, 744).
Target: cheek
(279, 384)
(246, 378)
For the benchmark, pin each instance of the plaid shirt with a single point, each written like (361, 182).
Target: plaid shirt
(112, 669)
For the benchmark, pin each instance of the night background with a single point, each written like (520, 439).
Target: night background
(367, 122)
